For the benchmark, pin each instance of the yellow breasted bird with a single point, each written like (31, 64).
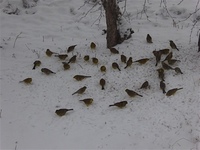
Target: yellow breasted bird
(115, 66)
(47, 71)
(129, 62)
(92, 45)
(132, 93)
(87, 101)
(61, 112)
(36, 63)
(80, 77)
(26, 81)
(80, 91)
(86, 57)
(71, 48)
(102, 82)
(114, 50)
(172, 91)
(121, 104)
(173, 45)
(123, 58)
(149, 39)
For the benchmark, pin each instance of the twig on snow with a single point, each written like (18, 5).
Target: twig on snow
(16, 39)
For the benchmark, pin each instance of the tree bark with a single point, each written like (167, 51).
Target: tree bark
(112, 12)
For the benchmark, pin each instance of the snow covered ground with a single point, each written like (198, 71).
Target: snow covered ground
(154, 121)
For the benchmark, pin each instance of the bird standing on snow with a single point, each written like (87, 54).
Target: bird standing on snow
(162, 86)
(26, 81)
(50, 53)
(142, 61)
(80, 91)
(173, 45)
(178, 70)
(72, 59)
(172, 91)
(87, 101)
(132, 93)
(103, 68)
(114, 50)
(62, 112)
(145, 85)
(129, 62)
(36, 63)
(119, 104)
(47, 71)
(80, 77)
(149, 39)
(71, 48)
(115, 66)
(123, 58)
(102, 82)
(92, 45)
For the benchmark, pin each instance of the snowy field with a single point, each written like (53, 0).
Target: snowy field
(154, 121)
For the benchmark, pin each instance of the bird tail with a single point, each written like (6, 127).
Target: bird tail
(139, 95)
(179, 88)
(74, 93)
(34, 67)
(103, 88)
(126, 67)
(111, 105)
(70, 109)
(164, 91)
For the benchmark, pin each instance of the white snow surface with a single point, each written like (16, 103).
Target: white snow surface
(154, 121)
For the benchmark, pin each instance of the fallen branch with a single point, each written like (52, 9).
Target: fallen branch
(16, 39)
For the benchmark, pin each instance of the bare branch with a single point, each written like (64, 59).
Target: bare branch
(180, 2)
(16, 39)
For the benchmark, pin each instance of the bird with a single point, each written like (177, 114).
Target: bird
(86, 57)
(166, 66)
(132, 93)
(92, 45)
(123, 58)
(62, 56)
(72, 59)
(172, 91)
(172, 61)
(142, 61)
(87, 101)
(169, 56)
(149, 39)
(178, 70)
(71, 48)
(145, 85)
(49, 52)
(162, 86)
(114, 50)
(115, 66)
(164, 51)
(80, 91)
(61, 112)
(103, 68)
(26, 81)
(36, 63)
(47, 71)
(66, 66)
(80, 77)
(161, 74)
(158, 55)
(102, 82)
(129, 62)
(121, 104)
(95, 60)
(173, 45)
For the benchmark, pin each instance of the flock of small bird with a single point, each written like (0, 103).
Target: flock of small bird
(128, 62)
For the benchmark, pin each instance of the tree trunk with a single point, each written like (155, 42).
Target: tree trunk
(112, 12)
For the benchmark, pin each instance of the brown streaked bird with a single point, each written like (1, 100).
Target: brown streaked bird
(114, 50)
(71, 48)
(145, 85)
(61, 112)
(86, 57)
(81, 77)
(166, 66)
(142, 61)
(26, 81)
(178, 70)
(87, 101)
(95, 60)
(103, 68)
(161, 74)
(47, 71)
(50, 53)
(132, 93)
(115, 66)
(92, 45)
(173, 45)
(129, 62)
(162, 86)
(169, 56)
(149, 39)
(164, 51)
(66, 66)
(172, 91)
(80, 91)
(172, 61)
(36, 63)
(102, 82)
(62, 56)
(121, 104)
(158, 55)
(72, 59)
(123, 58)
